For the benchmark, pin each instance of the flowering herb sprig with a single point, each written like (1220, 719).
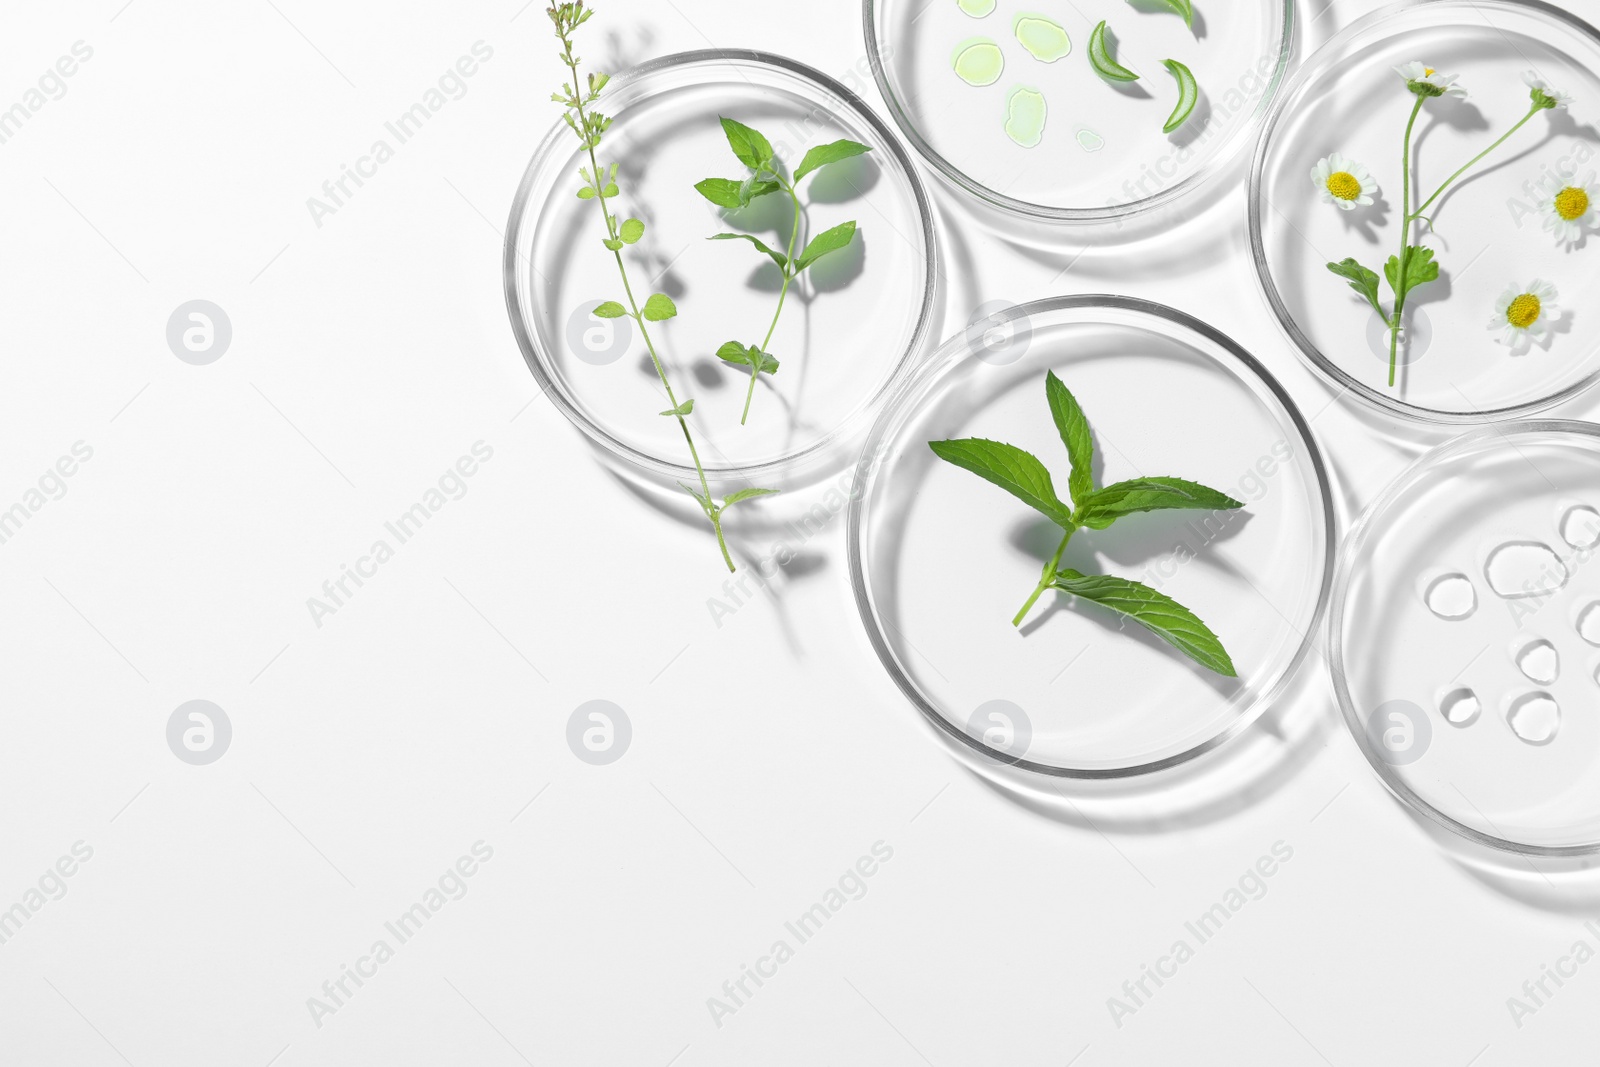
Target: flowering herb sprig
(600, 185)
(1022, 475)
(1347, 185)
(766, 175)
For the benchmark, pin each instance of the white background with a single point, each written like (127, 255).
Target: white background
(430, 710)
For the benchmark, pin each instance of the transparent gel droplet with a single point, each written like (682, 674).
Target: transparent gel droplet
(978, 62)
(1045, 39)
(1535, 718)
(1460, 707)
(976, 8)
(1518, 570)
(1589, 623)
(1580, 527)
(1451, 596)
(1025, 113)
(1090, 141)
(1540, 662)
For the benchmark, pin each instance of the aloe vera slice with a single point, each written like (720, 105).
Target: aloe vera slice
(1100, 58)
(1180, 7)
(1188, 93)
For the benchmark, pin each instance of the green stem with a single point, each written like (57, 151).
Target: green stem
(783, 292)
(1398, 283)
(1475, 159)
(712, 512)
(1045, 578)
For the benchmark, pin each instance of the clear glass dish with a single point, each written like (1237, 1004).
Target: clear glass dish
(1488, 229)
(940, 560)
(1102, 155)
(849, 326)
(1465, 656)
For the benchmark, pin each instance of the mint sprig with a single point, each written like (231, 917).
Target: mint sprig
(1025, 477)
(752, 148)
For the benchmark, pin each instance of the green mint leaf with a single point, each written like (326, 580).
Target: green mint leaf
(1361, 279)
(1017, 472)
(734, 352)
(659, 308)
(609, 310)
(1188, 88)
(823, 154)
(746, 494)
(723, 192)
(1074, 428)
(1180, 7)
(612, 243)
(682, 409)
(777, 257)
(1106, 506)
(825, 242)
(752, 188)
(1156, 612)
(753, 150)
(631, 231)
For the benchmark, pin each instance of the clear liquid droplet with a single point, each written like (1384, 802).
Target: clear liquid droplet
(1045, 39)
(1460, 707)
(1540, 662)
(1090, 141)
(1518, 570)
(1451, 596)
(1025, 114)
(978, 62)
(1580, 527)
(1535, 718)
(1589, 623)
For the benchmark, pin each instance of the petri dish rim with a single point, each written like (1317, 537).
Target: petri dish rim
(823, 87)
(1355, 542)
(1108, 213)
(909, 393)
(1307, 349)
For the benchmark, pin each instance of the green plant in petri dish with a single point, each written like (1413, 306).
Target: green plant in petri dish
(978, 61)
(1025, 115)
(1045, 39)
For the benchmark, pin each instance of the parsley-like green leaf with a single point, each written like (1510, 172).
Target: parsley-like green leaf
(1361, 279)
(1419, 269)
(1017, 472)
(1157, 612)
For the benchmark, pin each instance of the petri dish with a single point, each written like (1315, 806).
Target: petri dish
(1461, 644)
(974, 87)
(940, 560)
(849, 325)
(1488, 232)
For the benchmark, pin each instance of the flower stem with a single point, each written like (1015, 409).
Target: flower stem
(1398, 283)
(788, 276)
(1440, 191)
(1045, 578)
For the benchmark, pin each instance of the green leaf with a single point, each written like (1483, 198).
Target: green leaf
(1188, 90)
(659, 308)
(723, 192)
(777, 257)
(746, 494)
(753, 188)
(613, 245)
(825, 242)
(1180, 7)
(1017, 472)
(609, 310)
(631, 231)
(1100, 58)
(705, 502)
(1107, 505)
(612, 190)
(1073, 426)
(1361, 279)
(823, 154)
(681, 410)
(734, 352)
(1419, 269)
(586, 193)
(753, 150)
(1158, 613)
(766, 365)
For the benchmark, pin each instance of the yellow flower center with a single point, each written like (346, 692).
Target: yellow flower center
(1524, 311)
(1428, 72)
(1572, 203)
(1344, 185)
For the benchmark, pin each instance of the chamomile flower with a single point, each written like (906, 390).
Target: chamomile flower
(1543, 93)
(1568, 206)
(1522, 316)
(1425, 81)
(1343, 182)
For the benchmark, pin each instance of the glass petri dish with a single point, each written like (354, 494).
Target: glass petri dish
(1463, 652)
(1101, 154)
(849, 326)
(1488, 231)
(941, 560)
